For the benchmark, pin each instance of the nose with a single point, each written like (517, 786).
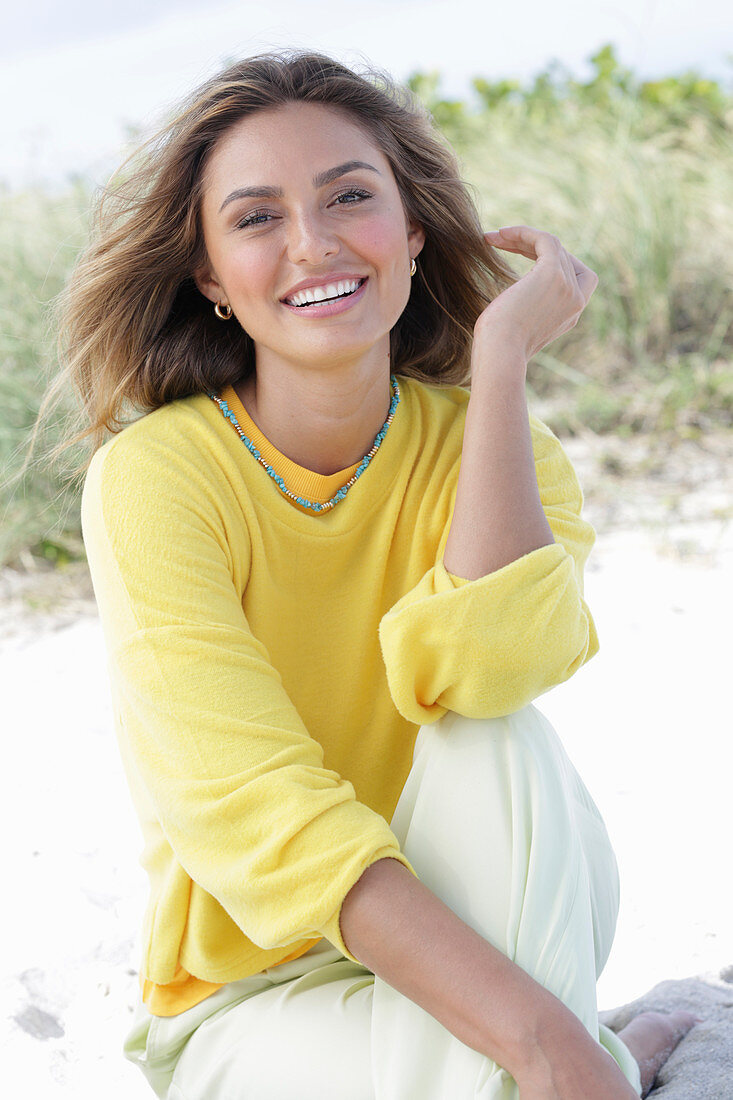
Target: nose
(310, 240)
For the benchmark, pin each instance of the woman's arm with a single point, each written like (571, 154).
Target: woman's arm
(233, 791)
(401, 931)
(501, 617)
(498, 516)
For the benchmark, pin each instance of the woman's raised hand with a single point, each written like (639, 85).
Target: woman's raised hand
(545, 302)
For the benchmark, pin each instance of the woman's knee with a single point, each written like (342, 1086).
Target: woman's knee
(482, 790)
(493, 822)
(524, 740)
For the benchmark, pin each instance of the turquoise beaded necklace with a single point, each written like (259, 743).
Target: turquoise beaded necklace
(315, 505)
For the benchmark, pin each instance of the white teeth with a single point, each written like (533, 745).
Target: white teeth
(321, 293)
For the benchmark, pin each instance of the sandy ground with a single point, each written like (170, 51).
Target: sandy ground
(647, 723)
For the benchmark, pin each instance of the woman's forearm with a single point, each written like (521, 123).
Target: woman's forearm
(402, 932)
(498, 516)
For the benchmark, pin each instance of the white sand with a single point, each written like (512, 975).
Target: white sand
(647, 722)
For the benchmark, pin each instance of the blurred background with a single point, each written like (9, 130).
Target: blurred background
(607, 124)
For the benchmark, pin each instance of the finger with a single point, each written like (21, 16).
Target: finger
(525, 239)
(536, 243)
(505, 240)
(532, 242)
(587, 281)
(586, 277)
(567, 267)
(580, 278)
(494, 238)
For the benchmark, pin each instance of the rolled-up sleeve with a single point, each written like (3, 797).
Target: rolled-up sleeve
(489, 646)
(235, 779)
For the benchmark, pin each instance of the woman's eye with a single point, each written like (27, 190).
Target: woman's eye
(354, 193)
(257, 217)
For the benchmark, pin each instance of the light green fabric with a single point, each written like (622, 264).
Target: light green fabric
(497, 822)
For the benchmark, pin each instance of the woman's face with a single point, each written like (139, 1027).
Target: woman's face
(299, 197)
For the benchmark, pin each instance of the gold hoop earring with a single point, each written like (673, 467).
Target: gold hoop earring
(223, 312)
(413, 267)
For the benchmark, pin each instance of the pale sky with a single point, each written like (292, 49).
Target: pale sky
(74, 76)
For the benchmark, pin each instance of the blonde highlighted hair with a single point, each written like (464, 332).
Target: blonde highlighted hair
(134, 330)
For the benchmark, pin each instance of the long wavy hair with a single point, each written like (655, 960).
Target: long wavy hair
(134, 330)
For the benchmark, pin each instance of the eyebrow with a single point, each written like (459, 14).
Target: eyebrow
(319, 180)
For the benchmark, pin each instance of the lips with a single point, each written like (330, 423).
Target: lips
(313, 290)
(323, 307)
(331, 292)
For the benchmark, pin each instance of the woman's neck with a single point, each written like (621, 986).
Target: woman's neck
(324, 421)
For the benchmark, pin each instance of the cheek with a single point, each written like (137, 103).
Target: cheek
(249, 273)
(384, 240)
(383, 235)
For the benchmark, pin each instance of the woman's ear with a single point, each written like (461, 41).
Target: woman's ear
(209, 285)
(415, 238)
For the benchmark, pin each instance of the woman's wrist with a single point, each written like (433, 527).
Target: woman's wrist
(563, 1060)
(495, 351)
(553, 1028)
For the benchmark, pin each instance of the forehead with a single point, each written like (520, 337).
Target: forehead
(296, 138)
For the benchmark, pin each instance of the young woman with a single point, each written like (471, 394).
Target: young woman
(332, 578)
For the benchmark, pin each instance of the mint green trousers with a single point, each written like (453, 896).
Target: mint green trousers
(497, 822)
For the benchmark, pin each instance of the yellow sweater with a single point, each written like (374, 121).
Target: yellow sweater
(270, 666)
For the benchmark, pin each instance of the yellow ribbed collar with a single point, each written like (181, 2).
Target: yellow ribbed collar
(305, 483)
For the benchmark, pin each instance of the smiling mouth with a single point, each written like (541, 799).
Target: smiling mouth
(346, 293)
